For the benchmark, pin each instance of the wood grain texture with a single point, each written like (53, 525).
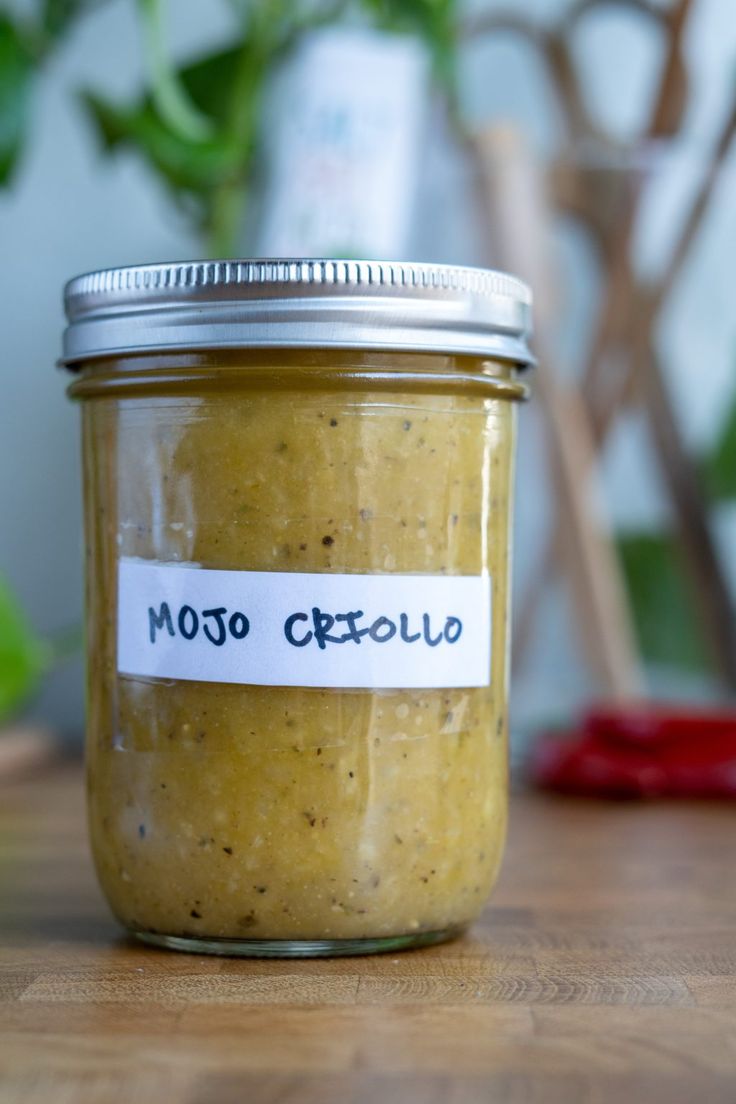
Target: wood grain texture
(603, 970)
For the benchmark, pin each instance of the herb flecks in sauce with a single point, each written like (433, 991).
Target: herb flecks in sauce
(391, 803)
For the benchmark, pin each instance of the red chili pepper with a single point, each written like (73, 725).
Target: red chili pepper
(642, 751)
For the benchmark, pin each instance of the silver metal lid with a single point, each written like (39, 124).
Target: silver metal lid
(385, 305)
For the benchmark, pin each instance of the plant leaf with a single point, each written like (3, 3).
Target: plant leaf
(719, 466)
(209, 82)
(23, 658)
(16, 73)
(57, 16)
(184, 164)
(664, 615)
(167, 91)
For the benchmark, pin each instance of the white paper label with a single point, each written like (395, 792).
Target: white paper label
(272, 628)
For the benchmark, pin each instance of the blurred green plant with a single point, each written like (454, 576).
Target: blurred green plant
(665, 616)
(718, 469)
(16, 70)
(197, 125)
(26, 43)
(23, 657)
(665, 612)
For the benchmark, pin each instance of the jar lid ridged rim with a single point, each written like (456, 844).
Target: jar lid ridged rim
(292, 303)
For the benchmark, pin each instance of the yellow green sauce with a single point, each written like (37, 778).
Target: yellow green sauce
(247, 812)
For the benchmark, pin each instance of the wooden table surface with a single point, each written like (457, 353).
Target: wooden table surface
(603, 970)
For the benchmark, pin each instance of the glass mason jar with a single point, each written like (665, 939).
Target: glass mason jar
(297, 495)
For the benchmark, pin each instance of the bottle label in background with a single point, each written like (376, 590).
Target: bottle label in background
(343, 147)
(272, 628)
